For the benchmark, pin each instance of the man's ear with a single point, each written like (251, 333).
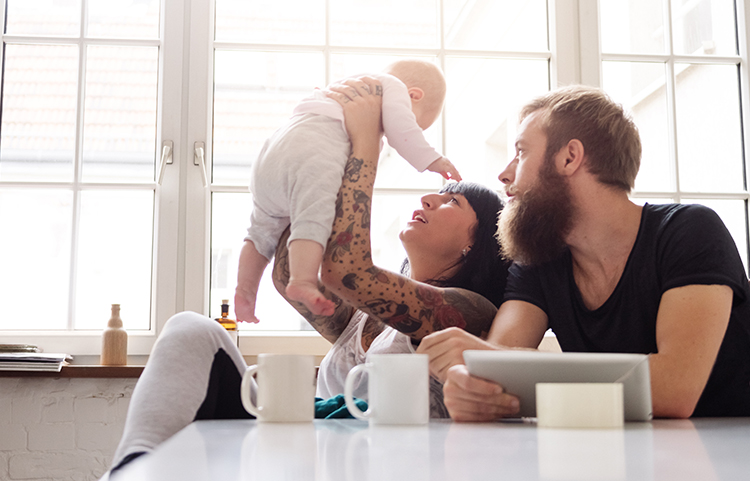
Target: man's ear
(570, 158)
(416, 94)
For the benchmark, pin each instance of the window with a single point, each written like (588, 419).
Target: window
(269, 55)
(677, 66)
(81, 204)
(128, 129)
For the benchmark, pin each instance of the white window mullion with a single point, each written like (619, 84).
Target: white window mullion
(590, 43)
(168, 218)
(743, 17)
(77, 166)
(574, 42)
(199, 72)
(671, 101)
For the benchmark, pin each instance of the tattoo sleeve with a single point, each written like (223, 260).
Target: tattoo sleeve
(412, 307)
(330, 327)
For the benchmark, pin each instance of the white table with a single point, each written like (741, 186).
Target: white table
(700, 449)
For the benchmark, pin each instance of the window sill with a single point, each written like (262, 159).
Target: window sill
(82, 371)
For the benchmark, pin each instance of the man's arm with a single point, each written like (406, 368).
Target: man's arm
(518, 324)
(690, 327)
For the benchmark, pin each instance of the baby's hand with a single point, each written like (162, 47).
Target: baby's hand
(445, 168)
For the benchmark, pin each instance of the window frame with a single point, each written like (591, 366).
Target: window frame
(181, 265)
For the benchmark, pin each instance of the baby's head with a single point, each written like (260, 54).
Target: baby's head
(426, 85)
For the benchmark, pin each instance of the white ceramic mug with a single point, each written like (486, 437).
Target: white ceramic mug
(286, 388)
(398, 389)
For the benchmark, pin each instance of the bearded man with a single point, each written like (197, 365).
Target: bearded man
(605, 274)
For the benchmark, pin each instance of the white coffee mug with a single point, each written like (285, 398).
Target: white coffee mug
(286, 388)
(398, 389)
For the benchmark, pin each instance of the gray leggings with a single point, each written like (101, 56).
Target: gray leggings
(193, 372)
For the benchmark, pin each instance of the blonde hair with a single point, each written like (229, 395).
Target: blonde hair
(609, 136)
(424, 75)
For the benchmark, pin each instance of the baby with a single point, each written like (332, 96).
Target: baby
(298, 175)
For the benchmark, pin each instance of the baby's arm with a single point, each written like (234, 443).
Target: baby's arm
(400, 125)
(445, 168)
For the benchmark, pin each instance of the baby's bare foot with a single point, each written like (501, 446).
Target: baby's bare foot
(244, 307)
(308, 294)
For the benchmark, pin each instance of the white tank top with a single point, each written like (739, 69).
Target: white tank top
(347, 352)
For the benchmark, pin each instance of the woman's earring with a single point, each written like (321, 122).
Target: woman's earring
(464, 252)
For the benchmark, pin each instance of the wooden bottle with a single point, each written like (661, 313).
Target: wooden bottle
(114, 341)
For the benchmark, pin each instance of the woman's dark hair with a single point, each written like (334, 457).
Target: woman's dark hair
(482, 269)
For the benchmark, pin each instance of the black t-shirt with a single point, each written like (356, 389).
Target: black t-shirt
(677, 245)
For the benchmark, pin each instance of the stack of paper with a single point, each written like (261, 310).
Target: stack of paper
(33, 361)
(19, 348)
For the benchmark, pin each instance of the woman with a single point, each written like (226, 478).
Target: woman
(452, 256)
(194, 371)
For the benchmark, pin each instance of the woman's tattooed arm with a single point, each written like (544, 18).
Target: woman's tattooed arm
(330, 327)
(412, 307)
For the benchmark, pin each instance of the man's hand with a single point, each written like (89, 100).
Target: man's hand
(470, 398)
(446, 349)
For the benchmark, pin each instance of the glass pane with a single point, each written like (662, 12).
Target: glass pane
(393, 171)
(633, 26)
(492, 25)
(709, 134)
(389, 23)
(35, 255)
(732, 212)
(255, 93)
(39, 113)
(390, 213)
(123, 18)
(230, 217)
(43, 17)
(119, 132)
(704, 27)
(641, 89)
(114, 258)
(271, 21)
(483, 100)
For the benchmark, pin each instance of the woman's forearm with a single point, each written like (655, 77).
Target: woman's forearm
(412, 307)
(330, 327)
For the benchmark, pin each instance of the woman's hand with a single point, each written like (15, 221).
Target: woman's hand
(361, 100)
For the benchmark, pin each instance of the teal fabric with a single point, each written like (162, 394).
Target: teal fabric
(335, 407)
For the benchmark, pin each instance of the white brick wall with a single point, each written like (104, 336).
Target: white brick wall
(60, 429)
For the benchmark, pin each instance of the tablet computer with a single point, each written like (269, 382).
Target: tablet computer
(519, 372)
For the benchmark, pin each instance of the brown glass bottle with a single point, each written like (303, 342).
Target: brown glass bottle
(229, 324)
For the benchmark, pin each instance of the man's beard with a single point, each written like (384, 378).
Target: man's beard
(532, 228)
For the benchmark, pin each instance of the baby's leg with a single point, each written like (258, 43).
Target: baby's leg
(252, 265)
(305, 257)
